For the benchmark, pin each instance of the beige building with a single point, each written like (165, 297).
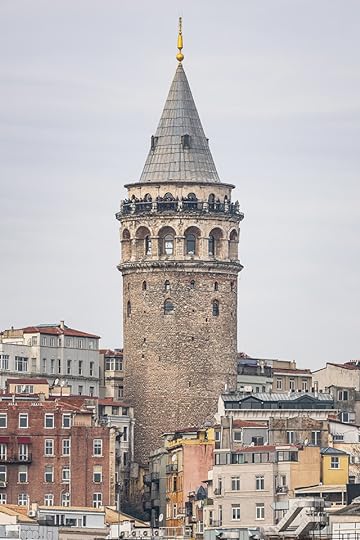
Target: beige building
(251, 486)
(111, 373)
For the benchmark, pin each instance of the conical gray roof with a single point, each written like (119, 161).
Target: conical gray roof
(173, 157)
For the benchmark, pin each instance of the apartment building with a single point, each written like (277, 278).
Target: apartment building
(53, 351)
(189, 459)
(53, 452)
(269, 375)
(251, 486)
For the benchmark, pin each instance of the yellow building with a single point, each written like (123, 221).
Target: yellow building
(334, 466)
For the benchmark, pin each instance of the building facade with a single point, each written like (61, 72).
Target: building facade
(59, 353)
(111, 373)
(179, 261)
(53, 452)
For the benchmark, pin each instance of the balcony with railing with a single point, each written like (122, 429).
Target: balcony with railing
(171, 468)
(171, 205)
(16, 459)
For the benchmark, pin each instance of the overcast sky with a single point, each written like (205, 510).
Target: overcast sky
(277, 86)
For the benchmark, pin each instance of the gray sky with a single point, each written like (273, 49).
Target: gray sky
(277, 86)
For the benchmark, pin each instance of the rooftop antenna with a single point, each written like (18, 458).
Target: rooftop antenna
(180, 56)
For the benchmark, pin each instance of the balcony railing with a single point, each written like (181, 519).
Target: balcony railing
(171, 468)
(165, 206)
(20, 458)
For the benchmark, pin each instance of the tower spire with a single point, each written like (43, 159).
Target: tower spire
(180, 56)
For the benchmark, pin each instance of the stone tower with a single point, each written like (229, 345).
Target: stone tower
(179, 244)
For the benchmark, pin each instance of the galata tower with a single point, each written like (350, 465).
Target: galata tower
(179, 260)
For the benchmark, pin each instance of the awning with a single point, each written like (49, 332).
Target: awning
(4, 439)
(24, 440)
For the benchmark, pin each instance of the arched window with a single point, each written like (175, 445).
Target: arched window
(215, 308)
(192, 197)
(147, 245)
(128, 309)
(233, 245)
(211, 201)
(148, 197)
(169, 197)
(211, 245)
(190, 240)
(232, 285)
(168, 307)
(144, 286)
(169, 244)
(167, 286)
(216, 286)
(126, 245)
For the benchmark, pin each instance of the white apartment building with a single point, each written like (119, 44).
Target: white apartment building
(64, 356)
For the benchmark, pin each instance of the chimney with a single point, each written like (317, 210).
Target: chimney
(62, 325)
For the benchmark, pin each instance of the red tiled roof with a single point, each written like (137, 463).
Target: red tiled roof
(57, 331)
(110, 352)
(28, 380)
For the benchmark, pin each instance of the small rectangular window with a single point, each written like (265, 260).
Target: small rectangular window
(22, 499)
(260, 511)
(49, 447)
(91, 369)
(290, 436)
(49, 474)
(80, 367)
(97, 447)
(65, 475)
(68, 367)
(235, 512)
(97, 474)
(66, 420)
(335, 462)
(49, 499)
(23, 474)
(49, 421)
(260, 483)
(3, 420)
(66, 447)
(235, 483)
(23, 420)
(97, 500)
(3, 473)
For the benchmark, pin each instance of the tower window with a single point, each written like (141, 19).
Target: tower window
(216, 286)
(154, 141)
(147, 245)
(148, 197)
(211, 201)
(128, 309)
(190, 244)
(168, 307)
(215, 308)
(169, 244)
(211, 245)
(192, 284)
(185, 141)
(167, 286)
(232, 285)
(144, 286)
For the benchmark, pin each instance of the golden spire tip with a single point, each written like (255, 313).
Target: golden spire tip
(180, 56)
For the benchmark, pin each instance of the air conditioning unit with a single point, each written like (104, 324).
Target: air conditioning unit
(32, 513)
(2, 484)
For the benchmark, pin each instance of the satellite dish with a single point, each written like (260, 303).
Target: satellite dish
(62, 383)
(306, 442)
(161, 517)
(56, 382)
(23, 388)
(173, 458)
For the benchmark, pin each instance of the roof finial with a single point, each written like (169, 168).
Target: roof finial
(180, 56)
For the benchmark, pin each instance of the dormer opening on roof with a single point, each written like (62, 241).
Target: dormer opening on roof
(154, 141)
(185, 141)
